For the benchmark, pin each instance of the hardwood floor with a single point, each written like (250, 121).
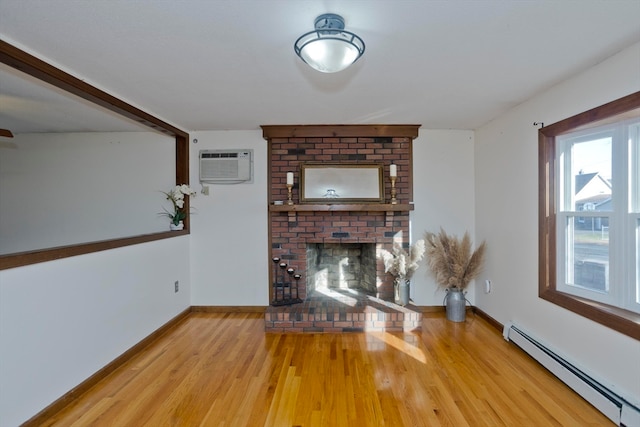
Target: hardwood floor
(218, 369)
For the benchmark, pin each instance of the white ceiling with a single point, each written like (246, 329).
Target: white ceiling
(230, 64)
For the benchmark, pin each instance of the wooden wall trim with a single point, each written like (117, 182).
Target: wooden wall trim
(76, 392)
(490, 320)
(36, 67)
(228, 309)
(83, 387)
(440, 310)
(431, 309)
(339, 131)
(595, 116)
(43, 255)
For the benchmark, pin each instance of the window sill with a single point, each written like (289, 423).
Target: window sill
(624, 321)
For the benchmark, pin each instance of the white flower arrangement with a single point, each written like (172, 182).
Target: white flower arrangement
(403, 264)
(177, 195)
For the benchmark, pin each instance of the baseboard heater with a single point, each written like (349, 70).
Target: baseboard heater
(613, 406)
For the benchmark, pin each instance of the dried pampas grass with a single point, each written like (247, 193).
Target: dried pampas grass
(451, 260)
(400, 263)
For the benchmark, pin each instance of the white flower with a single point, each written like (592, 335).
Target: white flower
(176, 195)
(186, 190)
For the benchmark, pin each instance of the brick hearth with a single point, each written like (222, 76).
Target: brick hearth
(342, 311)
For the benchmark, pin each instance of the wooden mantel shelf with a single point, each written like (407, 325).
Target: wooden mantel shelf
(340, 131)
(356, 207)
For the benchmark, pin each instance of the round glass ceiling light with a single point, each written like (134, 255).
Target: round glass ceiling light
(329, 48)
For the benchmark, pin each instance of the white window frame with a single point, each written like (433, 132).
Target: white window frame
(621, 288)
(633, 221)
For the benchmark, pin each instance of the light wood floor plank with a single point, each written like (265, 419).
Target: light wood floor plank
(222, 369)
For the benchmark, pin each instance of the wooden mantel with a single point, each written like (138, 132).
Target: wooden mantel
(339, 131)
(356, 207)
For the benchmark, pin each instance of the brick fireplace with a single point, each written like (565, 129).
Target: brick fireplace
(298, 231)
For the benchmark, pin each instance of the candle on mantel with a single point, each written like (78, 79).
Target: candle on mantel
(289, 178)
(393, 170)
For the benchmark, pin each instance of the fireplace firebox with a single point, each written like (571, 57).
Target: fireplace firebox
(341, 266)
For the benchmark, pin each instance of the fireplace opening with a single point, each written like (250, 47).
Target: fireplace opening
(342, 266)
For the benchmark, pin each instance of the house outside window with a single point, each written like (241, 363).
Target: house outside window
(590, 214)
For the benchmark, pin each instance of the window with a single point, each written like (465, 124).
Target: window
(590, 214)
(594, 217)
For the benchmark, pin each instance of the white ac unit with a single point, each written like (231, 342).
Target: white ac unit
(226, 166)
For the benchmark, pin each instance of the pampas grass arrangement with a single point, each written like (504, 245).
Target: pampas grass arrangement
(400, 263)
(451, 261)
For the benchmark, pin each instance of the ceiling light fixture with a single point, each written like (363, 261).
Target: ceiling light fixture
(329, 48)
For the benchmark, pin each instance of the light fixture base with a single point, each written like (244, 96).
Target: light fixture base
(329, 21)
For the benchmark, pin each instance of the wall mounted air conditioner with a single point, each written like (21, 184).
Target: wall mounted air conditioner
(226, 166)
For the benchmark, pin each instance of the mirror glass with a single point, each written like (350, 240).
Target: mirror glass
(74, 172)
(341, 183)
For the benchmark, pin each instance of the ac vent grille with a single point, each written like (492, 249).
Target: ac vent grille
(220, 169)
(226, 166)
(206, 155)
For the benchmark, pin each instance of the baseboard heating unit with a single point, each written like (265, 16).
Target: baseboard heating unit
(613, 406)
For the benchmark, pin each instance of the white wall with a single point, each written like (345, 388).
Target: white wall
(506, 174)
(61, 321)
(444, 197)
(229, 241)
(66, 188)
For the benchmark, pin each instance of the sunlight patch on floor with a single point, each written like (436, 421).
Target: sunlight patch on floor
(399, 344)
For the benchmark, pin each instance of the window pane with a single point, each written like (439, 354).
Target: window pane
(637, 294)
(588, 252)
(591, 169)
(634, 167)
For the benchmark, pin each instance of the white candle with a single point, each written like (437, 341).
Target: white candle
(393, 170)
(289, 178)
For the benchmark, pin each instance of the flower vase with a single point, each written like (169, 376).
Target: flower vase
(455, 302)
(402, 287)
(174, 227)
